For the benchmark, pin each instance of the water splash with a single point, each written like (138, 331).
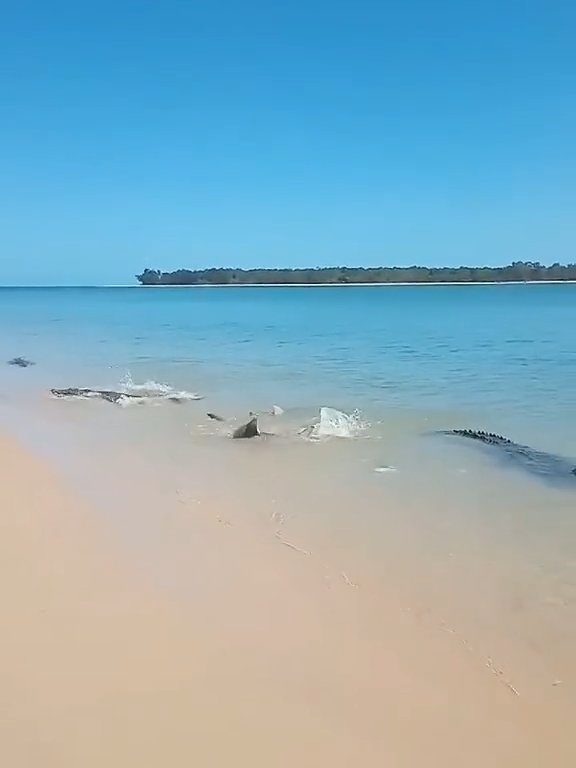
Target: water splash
(334, 423)
(152, 392)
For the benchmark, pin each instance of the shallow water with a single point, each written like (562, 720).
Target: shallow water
(503, 348)
(482, 548)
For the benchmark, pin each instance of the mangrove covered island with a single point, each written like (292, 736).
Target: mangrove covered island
(518, 271)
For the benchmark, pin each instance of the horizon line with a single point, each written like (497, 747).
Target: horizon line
(295, 285)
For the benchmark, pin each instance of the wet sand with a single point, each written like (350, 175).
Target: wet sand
(268, 658)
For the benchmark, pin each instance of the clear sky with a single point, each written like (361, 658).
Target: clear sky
(180, 133)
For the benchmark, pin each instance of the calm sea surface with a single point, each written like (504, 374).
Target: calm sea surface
(496, 548)
(508, 351)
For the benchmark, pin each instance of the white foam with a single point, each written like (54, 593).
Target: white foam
(334, 423)
(152, 391)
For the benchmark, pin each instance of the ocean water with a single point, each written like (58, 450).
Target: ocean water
(478, 545)
(506, 349)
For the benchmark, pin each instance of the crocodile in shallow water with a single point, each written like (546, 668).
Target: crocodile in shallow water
(111, 396)
(546, 466)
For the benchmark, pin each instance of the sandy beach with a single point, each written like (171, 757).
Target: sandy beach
(271, 662)
(312, 504)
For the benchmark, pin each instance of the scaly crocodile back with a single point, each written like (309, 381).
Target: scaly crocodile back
(490, 438)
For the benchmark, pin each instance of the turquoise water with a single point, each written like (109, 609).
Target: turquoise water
(494, 548)
(507, 352)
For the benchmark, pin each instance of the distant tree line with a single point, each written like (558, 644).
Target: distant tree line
(523, 271)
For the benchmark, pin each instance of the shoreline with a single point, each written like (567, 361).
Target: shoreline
(298, 285)
(259, 660)
(347, 285)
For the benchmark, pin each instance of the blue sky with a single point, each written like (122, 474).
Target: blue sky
(178, 133)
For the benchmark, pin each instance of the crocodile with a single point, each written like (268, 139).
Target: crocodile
(546, 466)
(110, 396)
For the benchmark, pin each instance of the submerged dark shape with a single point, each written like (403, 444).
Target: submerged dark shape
(546, 466)
(215, 417)
(21, 362)
(110, 396)
(104, 394)
(250, 429)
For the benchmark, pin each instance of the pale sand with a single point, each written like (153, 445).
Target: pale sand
(273, 662)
